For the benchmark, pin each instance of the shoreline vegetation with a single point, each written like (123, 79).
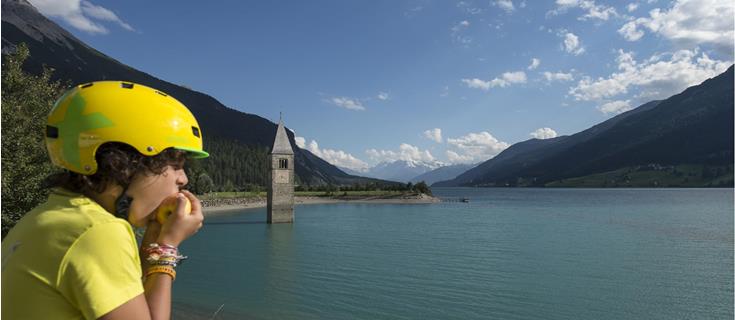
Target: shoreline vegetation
(228, 201)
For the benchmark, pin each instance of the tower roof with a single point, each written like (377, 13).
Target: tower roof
(281, 145)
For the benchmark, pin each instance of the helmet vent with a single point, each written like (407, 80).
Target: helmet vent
(127, 85)
(52, 132)
(161, 93)
(87, 85)
(196, 131)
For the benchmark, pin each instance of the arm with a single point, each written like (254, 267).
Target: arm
(156, 302)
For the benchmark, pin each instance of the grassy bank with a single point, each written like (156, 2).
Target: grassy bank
(654, 176)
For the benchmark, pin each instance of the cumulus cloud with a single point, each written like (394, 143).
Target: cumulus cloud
(383, 96)
(557, 76)
(506, 79)
(534, 64)
(615, 107)
(660, 76)
(347, 103)
(632, 7)
(593, 10)
(477, 83)
(474, 147)
(572, 44)
(335, 157)
(434, 135)
(300, 142)
(82, 15)
(543, 133)
(630, 31)
(689, 24)
(406, 152)
(506, 5)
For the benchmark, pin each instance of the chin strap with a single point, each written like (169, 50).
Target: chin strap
(122, 205)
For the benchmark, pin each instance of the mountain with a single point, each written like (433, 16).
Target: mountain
(401, 170)
(694, 127)
(74, 61)
(442, 173)
(350, 171)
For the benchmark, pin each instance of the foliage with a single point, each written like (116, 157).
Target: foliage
(232, 166)
(421, 187)
(26, 102)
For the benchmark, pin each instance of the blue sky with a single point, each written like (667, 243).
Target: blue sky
(362, 82)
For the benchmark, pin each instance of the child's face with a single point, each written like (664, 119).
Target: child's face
(148, 191)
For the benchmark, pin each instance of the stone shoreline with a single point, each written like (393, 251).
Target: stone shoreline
(219, 205)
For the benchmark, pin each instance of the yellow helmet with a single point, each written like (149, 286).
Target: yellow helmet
(92, 114)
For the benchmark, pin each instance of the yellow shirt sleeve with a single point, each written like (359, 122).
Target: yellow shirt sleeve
(101, 270)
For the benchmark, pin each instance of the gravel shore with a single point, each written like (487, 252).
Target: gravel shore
(220, 205)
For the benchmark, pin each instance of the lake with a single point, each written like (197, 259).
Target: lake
(507, 254)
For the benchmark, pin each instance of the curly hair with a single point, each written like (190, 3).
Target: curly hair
(117, 163)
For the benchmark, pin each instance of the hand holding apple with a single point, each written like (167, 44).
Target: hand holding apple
(168, 207)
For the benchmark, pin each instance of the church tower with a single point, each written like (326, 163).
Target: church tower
(280, 190)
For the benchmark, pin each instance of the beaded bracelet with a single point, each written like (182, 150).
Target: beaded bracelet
(161, 254)
(169, 270)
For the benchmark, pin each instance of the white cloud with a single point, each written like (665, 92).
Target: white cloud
(572, 44)
(413, 11)
(543, 133)
(557, 76)
(101, 13)
(468, 8)
(632, 7)
(445, 92)
(506, 79)
(457, 158)
(534, 64)
(300, 142)
(475, 147)
(615, 107)
(630, 31)
(477, 83)
(457, 32)
(347, 103)
(80, 14)
(336, 157)
(506, 5)
(434, 135)
(689, 24)
(383, 96)
(515, 77)
(594, 11)
(406, 152)
(661, 76)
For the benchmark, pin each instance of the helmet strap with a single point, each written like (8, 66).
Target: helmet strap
(122, 205)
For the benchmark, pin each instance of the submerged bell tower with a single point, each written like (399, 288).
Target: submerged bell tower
(281, 187)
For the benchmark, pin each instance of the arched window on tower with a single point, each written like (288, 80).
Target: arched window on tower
(282, 163)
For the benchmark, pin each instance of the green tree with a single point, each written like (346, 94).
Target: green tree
(26, 102)
(422, 188)
(204, 184)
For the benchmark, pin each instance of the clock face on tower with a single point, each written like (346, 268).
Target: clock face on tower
(281, 176)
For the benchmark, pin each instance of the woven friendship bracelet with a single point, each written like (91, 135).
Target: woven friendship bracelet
(163, 255)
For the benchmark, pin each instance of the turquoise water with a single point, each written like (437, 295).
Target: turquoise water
(508, 254)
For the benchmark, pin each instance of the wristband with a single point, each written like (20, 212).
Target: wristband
(169, 270)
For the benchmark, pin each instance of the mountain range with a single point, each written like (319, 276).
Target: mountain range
(692, 128)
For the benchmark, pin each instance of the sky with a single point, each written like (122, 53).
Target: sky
(364, 82)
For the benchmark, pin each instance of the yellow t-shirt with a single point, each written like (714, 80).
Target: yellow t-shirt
(68, 258)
